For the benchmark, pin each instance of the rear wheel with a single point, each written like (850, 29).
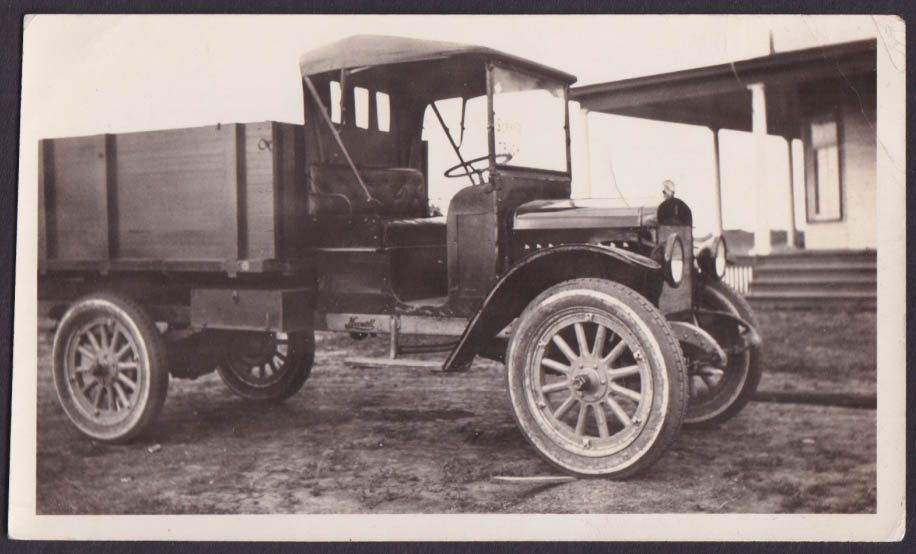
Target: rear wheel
(717, 394)
(110, 367)
(596, 378)
(268, 366)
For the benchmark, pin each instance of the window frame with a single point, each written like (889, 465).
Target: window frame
(813, 186)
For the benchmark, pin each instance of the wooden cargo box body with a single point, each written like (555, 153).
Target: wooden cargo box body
(217, 198)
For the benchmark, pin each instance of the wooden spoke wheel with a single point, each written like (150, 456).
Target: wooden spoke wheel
(109, 366)
(719, 393)
(596, 378)
(268, 366)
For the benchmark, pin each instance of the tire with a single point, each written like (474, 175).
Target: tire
(723, 396)
(268, 367)
(110, 367)
(639, 423)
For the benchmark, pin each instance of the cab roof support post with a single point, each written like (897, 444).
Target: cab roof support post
(327, 119)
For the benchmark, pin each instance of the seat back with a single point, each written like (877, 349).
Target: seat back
(398, 192)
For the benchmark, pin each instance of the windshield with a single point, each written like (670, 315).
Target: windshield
(529, 120)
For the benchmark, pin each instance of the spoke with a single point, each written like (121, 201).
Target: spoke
(567, 351)
(112, 401)
(713, 372)
(619, 372)
(692, 386)
(623, 391)
(127, 365)
(118, 332)
(281, 356)
(126, 380)
(93, 340)
(552, 364)
(88, 385)
(124, 350)
(98, 397)
(619, 412)
(277, 362)
(117, 387)
(103, 335)
(710, 383)
(86, 352)
(565, 406)
(82, 369)
(554, 387)
(600, 337)
(614, 353)
(580, 338)
(580, 422)
(601, 420)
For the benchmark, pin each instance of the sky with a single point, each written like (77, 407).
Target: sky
(85, 74)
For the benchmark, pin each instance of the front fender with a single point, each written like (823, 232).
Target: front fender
(540, 270)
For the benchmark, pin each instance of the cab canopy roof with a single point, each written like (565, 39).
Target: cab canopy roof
(372, 50)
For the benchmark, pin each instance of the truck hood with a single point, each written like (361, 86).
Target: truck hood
(582, 214)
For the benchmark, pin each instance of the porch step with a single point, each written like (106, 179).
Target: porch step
(811, 279)
(865, 268)
(832, 284)
(820, 257)
(813, 299)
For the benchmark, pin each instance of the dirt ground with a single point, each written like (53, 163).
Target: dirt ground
(405, 440)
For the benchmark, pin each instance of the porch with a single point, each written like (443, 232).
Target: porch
(824, 97)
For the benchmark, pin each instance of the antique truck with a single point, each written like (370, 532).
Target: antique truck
(180, 252)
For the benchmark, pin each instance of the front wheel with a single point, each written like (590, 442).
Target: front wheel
(596, 378)
(717, 394)
(110, 367)
(268, 366)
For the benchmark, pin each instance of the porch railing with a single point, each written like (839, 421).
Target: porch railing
(740, 273)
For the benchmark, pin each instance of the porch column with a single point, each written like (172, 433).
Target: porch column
(718, 191)
(762, 245)
(586, 143)
(790, 225)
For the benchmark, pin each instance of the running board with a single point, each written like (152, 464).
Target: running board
(394, 362)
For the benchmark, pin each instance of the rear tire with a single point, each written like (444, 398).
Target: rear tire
(110, 367)
(596, 402)
(268, 367)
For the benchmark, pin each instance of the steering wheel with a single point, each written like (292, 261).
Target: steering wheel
(469, 168)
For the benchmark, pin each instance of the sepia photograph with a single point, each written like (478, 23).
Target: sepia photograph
(460, 278)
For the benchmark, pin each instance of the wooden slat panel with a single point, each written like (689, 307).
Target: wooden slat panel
(233, 193)
(170, 189)
(80, 199)
(259, 190)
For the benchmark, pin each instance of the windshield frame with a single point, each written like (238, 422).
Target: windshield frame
(491, 118)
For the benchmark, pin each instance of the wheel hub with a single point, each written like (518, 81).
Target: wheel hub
(106, 367)
(590, 383)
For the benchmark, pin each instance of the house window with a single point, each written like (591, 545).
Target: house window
(824, 186)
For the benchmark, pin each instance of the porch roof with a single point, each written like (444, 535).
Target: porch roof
(717, 96)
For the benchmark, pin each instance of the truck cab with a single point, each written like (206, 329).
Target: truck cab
(368, 102)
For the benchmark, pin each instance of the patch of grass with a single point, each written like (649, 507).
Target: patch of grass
(830, 345)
